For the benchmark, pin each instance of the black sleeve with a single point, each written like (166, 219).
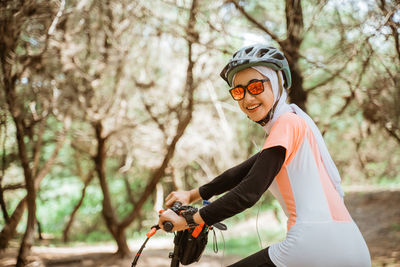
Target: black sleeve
(249, 190)
(228, 179)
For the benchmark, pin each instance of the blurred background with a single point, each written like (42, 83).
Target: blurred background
(107, 106)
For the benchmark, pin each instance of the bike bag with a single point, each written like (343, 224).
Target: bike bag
(191, 243)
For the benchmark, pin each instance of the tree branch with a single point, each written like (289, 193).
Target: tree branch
(123, 127)
(182, 124)
(49, 163)
(320, 6)
(392, 132)
(255, 22)
(152, 116)
(333, 75)
(352, 91)
(13, 186)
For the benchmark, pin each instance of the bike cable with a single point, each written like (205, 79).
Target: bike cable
(152, 231)
(258, 232)
(223, 251)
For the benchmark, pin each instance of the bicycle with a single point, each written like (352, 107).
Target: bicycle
(188, 244)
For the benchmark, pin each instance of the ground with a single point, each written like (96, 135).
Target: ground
(376, 212)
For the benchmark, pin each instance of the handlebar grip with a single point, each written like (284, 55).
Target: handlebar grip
(168, 226)
(176, 206)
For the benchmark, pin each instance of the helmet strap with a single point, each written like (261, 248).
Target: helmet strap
(270, 114)
(266, 119)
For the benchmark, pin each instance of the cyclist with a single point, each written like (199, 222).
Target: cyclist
(294, 164)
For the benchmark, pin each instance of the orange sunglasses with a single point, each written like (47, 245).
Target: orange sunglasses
(255, 87)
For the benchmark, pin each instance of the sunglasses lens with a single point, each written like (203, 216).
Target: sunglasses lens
(256, 87)
(237, 93)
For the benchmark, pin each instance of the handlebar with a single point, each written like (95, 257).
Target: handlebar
(168, 226)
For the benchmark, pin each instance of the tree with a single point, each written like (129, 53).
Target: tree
(21, 52)
(102, 101)
(382, 101)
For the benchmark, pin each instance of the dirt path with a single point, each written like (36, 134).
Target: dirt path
(64, 257)
(376, 212)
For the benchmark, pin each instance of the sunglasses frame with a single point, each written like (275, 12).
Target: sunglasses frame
(245, 88)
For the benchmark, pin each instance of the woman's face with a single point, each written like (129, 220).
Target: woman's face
(256, 107)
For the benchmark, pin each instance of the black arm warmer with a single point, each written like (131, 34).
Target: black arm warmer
(228, 179)
(249, 190)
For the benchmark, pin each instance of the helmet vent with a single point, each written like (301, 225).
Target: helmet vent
(248, 50)
(278, 56)
(262, 52)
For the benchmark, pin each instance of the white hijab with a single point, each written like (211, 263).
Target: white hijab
(282, 107)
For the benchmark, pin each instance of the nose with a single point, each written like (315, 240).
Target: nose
(248, 96)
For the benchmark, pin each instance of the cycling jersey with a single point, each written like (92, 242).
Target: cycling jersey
(320, 229)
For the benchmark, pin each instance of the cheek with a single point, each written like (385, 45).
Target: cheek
(271, 98)
(240, 103)
(267, 98)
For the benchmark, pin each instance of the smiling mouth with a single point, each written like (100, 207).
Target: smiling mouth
(253, 107)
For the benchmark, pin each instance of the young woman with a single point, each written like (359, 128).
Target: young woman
(294, 164)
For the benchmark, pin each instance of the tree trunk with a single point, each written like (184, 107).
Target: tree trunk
(3, 206)
(12, 26)
(27, 240)
(9, 87)
(291, 47)
(9, 229)
(39, 227)
(297, 94)
(108, 212)
(3, 123)
(123, 249)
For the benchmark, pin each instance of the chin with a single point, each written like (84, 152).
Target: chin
(257, 118)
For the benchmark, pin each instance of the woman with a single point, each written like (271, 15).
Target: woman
(294, 165)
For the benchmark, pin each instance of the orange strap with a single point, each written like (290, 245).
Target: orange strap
(197, 230)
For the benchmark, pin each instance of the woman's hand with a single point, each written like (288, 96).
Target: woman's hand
(170, 216)
(185, 197)
(181, 196)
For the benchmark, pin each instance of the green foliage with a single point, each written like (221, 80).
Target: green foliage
(56, 201)
(247, 245)
(345, 54)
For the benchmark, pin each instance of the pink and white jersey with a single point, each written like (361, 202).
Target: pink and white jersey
(321, 231)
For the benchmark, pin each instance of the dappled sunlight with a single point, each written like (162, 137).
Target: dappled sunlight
(109, 106)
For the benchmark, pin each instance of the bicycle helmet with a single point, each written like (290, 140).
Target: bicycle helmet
(257, 55)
